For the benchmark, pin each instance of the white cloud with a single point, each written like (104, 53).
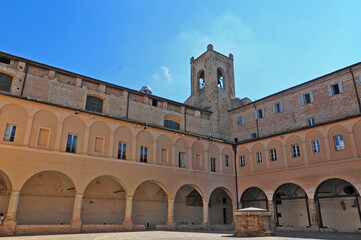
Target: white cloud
(155, 76)
(166, 73)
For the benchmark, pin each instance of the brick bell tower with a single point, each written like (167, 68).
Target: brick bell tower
(212, 88)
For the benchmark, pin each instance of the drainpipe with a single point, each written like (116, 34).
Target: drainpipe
(254, 105)
(127, 116)
(235, 171)
(26, 74)
(354, 84)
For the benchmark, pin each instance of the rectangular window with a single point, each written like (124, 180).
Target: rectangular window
(71, 143)
(278, 107)
(43, 139)
(311, 122)
(154, 102)
(307, 98)
(122, 150)
(253, 135)
(10, 131)
(164, 155)
(98, 144)
(198, 160)
(181, 160)
(143, 154)
(213, 164)
(5, 60)
(259, 157)
(259, 113)
(273, 155)
(240, 120)
(315, 146)
(339, 143)
(242, 162)
(335, 89)
(94, 104)
(226, 160)
(296, 150)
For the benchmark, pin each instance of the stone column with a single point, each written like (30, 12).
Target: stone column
(206, 225)
(59, 131)
(127, 223)
(9, 225)
(75, 224)
(170, 222)
(313, 215)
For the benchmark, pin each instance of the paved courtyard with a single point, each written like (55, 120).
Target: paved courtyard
(156, 235)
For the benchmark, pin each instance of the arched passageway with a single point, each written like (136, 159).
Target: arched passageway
(5, 192)
(291, 206)
(150, 205)
(188, 206)
(254, 197)
(220, 207)
(47, 198)
(338, 205)
(103, 202)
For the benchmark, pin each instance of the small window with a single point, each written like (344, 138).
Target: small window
(226, 160)
(307, 98)
(253, 135)
(220, 82)
(259, 113)
(242, 162)
(122, 150)
(5, 60)
(273, 155)
(181, 160)
(339, 143)
(154, 102)
(202, 83)
(5, 82)
(240, 120)
(335, 89)
(224, 200)
(198, 160)
(259, 157)
(143, 154)
(213, 164)
(278, 107)
(171, 124)
(43, 139)
(311, 122)
(10, 131)
(315, 146)
(94, 104)
(164, 155)
(296, 150)
(71, 143)
(98, 144)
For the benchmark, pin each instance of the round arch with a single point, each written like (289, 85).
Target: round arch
(220, 207)
(254, 197)
(338, 205)
(46, 198)
(5, 192)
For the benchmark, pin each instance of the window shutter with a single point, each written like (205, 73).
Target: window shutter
(329, 91)
(311, 96)
(281, 106)
(274, 109)
(255, 114)
(263, 114)
(242, 119)
(302, 100)
(340, 87)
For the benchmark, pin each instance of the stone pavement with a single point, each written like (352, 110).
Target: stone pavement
(158, 235)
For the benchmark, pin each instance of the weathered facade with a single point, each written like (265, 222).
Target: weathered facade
(81, 155)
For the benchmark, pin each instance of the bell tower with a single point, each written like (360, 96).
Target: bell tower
(212, 88)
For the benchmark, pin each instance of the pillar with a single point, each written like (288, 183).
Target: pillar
(9, 225)
(313, 215)
(170, 222)
(127, 223)
(272, 211)
(206, 225)
(75, 224)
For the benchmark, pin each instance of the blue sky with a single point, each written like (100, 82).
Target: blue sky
(276, 44)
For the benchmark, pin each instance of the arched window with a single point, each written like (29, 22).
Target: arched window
(5, 82)
(202, 82)
(220, 82)
(94, 104)
(171, 124)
